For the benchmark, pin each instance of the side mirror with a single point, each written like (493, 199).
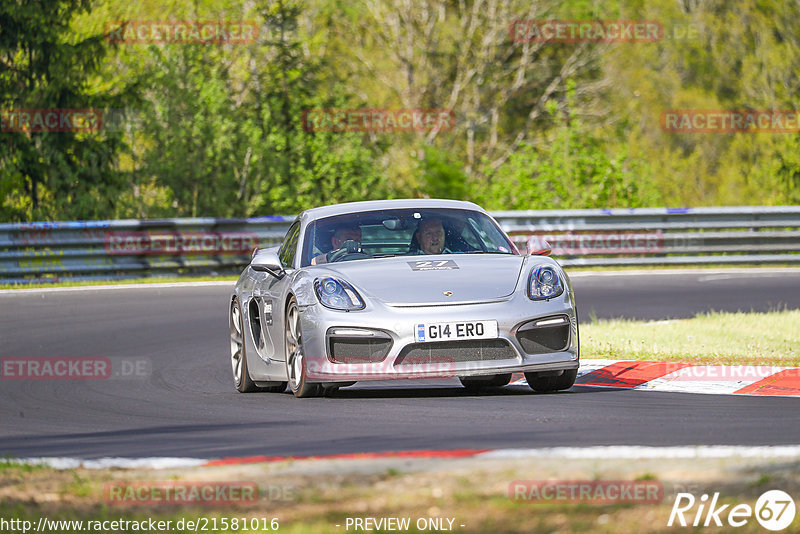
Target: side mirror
(538, 246)
(267, 261)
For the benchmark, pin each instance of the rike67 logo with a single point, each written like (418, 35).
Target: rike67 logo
(774, 510)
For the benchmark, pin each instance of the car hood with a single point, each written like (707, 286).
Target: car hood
(408, 280)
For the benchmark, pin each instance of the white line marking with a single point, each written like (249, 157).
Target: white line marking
(756, 271)
(589, 365)
(159, 285)
(596, 452)
(112, 463)
(642, 452)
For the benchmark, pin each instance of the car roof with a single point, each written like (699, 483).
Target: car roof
(372, 205)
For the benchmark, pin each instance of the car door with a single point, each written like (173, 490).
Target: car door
(270, 298)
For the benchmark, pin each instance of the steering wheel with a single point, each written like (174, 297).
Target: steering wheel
(350, 250)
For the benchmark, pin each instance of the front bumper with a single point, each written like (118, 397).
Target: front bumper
(394, 334)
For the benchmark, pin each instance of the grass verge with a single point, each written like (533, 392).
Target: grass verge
(770, 338)
(147, 280)
(316, 496)
(678, 266)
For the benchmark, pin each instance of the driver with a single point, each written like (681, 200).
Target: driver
(342, 234)
(431, 237)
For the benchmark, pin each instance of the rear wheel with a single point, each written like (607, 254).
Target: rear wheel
(548, 384)
(241, 378)
(475, 383)
(295, 358)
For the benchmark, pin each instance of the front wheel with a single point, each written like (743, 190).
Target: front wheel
(296, 369)
(241, 377)
(548, 384)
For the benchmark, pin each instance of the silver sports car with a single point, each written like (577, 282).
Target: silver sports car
(400, 289)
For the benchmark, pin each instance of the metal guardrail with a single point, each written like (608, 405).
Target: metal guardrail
(643, 236)
(664, 236)
(53, 251)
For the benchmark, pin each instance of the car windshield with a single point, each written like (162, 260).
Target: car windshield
(395, 232)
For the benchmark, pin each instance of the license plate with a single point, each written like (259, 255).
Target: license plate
(456, 330)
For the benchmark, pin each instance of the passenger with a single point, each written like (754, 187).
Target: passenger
(429, 238)
(345, 233)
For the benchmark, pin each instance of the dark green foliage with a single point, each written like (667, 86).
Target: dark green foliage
(43, 65)
(442, 177)
(217, 130)
(571, 171)
(228, 146)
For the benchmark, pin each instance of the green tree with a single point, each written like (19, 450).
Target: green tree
(191, 125)
(45, 65)
(442, 175)
(227, 129)
(573, 170)
(298, 168)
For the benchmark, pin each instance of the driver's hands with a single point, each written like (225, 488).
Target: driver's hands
(348, 247)
(351, 246)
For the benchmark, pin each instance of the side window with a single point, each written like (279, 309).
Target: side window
(289, 247)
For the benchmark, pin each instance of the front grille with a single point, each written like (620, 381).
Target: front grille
(476, 350)
(544, 339)
(358, 349)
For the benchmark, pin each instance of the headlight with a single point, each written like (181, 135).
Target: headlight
(337, 294)
(544, 283)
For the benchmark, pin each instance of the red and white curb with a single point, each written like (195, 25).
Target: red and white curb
(592, 453)
(691, 378)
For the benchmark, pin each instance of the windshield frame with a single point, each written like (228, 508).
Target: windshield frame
(318, 232)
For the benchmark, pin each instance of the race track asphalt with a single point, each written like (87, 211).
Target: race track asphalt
(182, 402)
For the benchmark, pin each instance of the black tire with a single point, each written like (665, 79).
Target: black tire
(331, 388)
(241, 376)
(327, 392)
(296, 370)
(484, 382)
(549, 384)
